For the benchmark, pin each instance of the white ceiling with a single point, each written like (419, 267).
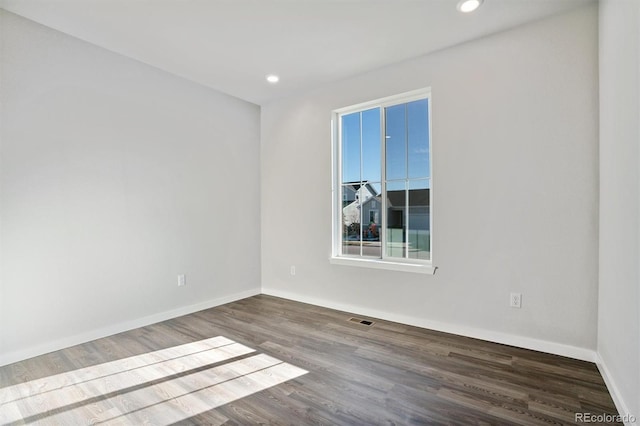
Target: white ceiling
(230, 45)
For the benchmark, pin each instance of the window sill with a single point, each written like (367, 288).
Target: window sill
(383, 264)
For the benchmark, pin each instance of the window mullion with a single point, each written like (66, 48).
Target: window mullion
(383, 184)
(406, 182)
(360, 189)
(338, 232)
(406, 219)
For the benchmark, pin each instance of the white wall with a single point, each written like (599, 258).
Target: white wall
(619, 293)
(515, 143)
(115, 178)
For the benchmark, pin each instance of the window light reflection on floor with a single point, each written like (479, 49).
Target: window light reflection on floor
(160, 387)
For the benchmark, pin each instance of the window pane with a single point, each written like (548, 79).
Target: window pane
(418, 138)
(371, 145)
(351, 148)
(419, 220)
(371, 216)
(390, 151)
(396, 142)
(396, 208)
(351, 219)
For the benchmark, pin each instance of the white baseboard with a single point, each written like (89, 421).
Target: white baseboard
(66, 342)
(492, 336)
(621, 406)
(477, 333)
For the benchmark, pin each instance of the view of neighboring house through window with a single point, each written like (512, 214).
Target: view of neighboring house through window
(384, 176)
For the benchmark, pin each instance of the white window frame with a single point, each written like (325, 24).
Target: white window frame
(385, 262)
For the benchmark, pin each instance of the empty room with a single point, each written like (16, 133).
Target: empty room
(327, 212)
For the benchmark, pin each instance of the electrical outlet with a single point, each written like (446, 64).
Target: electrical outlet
(515, 300)
(182, 280)
(293, 270)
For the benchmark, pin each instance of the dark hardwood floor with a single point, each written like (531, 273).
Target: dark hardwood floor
(265, 360)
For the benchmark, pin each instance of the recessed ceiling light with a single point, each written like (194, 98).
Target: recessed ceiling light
(272, 78)
(467, 6)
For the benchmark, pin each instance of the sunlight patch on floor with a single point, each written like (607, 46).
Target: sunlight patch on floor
(159, 387)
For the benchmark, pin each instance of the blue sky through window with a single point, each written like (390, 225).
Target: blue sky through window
(407, 143)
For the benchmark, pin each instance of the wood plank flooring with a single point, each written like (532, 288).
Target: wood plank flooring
(266, 360)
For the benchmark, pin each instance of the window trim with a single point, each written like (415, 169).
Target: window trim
(385, 262)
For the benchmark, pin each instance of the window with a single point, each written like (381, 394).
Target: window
(382, 178)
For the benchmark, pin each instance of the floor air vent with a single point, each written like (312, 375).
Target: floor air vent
(361, 321)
